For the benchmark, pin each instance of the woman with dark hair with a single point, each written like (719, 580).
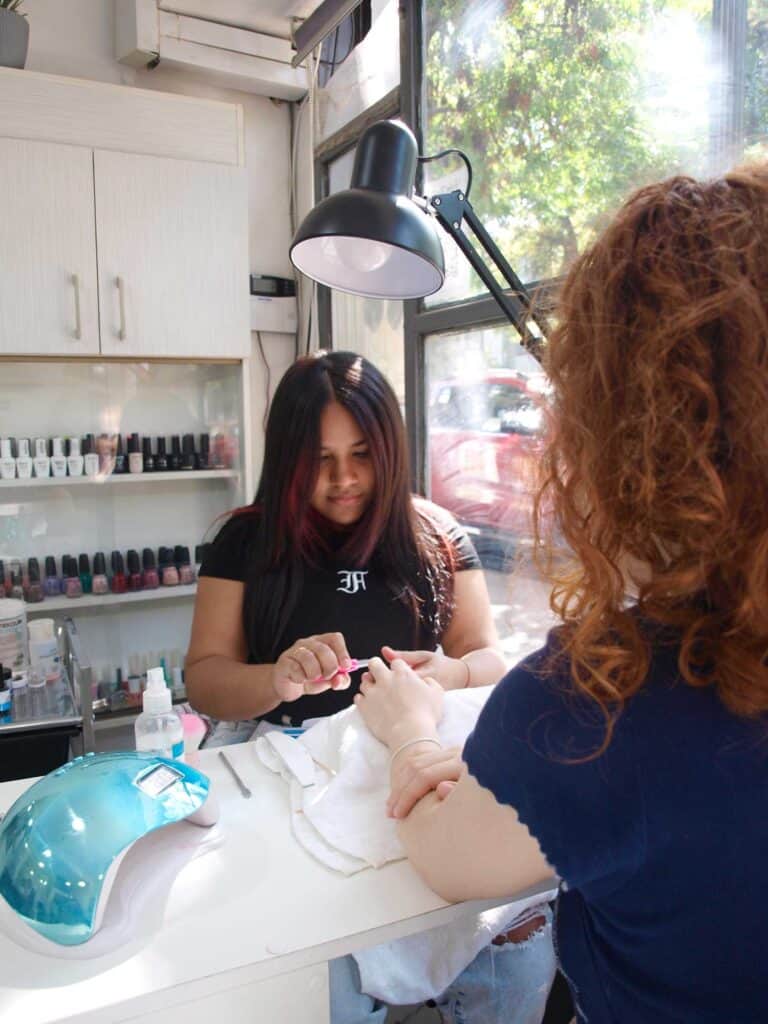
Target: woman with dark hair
(630, 752)
(335, 560)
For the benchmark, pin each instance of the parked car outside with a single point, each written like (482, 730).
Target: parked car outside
(484, 442)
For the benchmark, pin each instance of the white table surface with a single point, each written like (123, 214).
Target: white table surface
(256, 907)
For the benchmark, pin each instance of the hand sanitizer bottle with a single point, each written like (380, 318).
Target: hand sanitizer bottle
(158, 727)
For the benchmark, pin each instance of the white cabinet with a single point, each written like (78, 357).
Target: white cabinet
(172, 257)
(48, 294)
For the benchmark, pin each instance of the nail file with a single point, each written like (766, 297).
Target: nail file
(354, 665)
(294, 756)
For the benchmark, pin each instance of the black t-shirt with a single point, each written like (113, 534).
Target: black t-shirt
(355, 602)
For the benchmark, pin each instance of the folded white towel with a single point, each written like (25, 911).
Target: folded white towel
(341, 820)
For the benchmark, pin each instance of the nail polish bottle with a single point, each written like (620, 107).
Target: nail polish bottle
(58, 458)
(121, 463)
(23, 459)
(135, 458)
(100, 582)
(161, 459)
(204, 455)
(34, 590)
(105, 446)
(119, 582)
(149, 458)
(84, 572)
(75, 460)
(188, 457)
(134, 580)
(169, 574)
(151, 578)
(51, 583)
(72, 585)
(7, 461)
(41, 462)
(17, 582)
(186, 572)
(174, 459)
(90, 456)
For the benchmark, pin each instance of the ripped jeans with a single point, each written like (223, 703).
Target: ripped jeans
(506, 984)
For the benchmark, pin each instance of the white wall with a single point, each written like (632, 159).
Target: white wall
(75, 38)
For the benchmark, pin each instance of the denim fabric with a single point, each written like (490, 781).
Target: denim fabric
(225, 733)
(506, 984)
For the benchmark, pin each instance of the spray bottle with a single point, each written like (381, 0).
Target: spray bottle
(158, 727)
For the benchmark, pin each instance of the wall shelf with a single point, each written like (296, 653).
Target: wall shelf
(97, 601)
(121, 478)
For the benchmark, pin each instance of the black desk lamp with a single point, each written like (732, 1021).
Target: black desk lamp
(377, 239)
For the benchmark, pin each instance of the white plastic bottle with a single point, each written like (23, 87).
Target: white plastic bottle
(158, 728)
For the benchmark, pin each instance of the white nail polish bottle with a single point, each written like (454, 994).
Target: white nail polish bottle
(75, 459)
(90, 457)
(41, 461)
(7, 461)
(58, 458)
(23, 459)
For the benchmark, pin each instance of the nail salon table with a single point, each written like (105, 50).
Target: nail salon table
(242, 933)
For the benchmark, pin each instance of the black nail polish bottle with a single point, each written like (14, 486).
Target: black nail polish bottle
(174, 459)
(161, 459)
(188, 457)
(204, 455)
(121, 462)
(148, 457)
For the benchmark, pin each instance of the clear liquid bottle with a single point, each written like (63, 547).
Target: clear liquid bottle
(158, 728)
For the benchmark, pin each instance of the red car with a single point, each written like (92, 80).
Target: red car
(484, 439)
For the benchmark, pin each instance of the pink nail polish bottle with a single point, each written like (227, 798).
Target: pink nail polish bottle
(100, 581)
(151, 575)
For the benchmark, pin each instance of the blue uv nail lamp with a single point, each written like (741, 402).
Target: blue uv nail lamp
(62, 841)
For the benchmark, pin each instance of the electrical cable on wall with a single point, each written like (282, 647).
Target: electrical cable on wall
(267, 379)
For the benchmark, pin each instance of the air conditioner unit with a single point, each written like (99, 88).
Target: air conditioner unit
(233, 57)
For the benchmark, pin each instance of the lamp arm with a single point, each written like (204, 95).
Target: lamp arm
(450, 210)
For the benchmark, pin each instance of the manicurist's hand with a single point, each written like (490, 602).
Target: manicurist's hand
(396, 704)
(312, 665)
(419, 771)
(451, 673)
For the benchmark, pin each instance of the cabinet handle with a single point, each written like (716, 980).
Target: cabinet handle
(121, 298)
(78, 322)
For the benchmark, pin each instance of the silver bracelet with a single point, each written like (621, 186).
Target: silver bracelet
(469, 673)
(410, 743)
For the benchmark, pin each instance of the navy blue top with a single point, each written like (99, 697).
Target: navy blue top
(661, 841)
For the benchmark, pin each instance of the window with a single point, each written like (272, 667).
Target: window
(564, 108)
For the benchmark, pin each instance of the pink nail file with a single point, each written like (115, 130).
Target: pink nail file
(354, 665)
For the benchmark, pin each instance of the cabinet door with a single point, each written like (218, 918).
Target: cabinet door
(173, 257)
(48, 302)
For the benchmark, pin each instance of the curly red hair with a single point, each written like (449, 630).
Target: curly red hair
(656, 465)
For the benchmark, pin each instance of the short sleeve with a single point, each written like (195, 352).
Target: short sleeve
(463, 549)
(532, 748)
(464, 553)
(226, 557)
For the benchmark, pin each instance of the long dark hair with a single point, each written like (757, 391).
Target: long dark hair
(395, 534)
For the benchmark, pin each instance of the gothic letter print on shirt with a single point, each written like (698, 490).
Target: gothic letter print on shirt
(352, 580)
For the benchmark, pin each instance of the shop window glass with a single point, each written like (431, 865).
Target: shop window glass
(565, 107)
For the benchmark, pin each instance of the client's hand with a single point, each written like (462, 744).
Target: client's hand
(311, 665)
(397, 705)
(451, 673)
(416, 774)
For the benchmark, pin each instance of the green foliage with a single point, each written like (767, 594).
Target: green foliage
(546, 98)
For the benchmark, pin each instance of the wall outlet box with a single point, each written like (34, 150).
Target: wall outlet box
(274, 314)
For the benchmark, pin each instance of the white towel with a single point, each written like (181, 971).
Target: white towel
(341, 820)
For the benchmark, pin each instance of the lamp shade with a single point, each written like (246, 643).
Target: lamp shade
(372, 239)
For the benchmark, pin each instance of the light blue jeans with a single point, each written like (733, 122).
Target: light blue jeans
(506, 984)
